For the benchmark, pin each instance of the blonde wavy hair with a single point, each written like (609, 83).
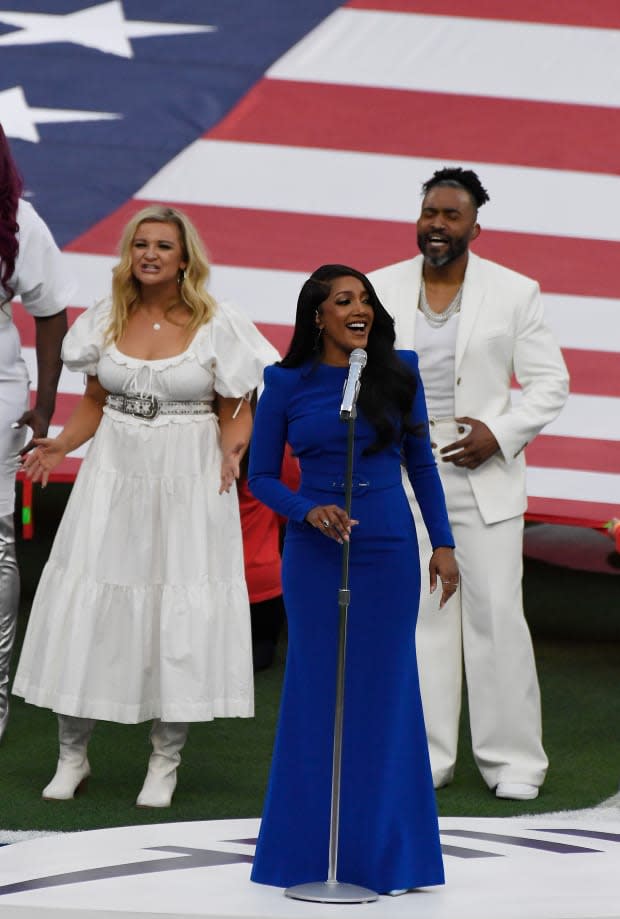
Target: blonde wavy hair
(192, 281)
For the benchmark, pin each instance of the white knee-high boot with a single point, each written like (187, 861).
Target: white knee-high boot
(9, 603)
(73, 766)
(168, 739)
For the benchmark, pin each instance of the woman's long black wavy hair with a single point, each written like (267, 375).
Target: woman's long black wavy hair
(11, 187)
(388, 385)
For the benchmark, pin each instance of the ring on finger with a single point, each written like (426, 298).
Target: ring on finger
(325, 523)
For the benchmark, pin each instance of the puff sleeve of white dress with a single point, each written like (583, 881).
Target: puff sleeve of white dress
(84, 342)
(236, 352)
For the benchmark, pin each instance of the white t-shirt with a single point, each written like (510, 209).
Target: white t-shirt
(436, 348)
(40, 278)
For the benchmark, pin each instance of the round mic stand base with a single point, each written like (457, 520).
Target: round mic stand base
(331, 892)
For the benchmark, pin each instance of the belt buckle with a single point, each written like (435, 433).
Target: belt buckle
(357, 483)
(142, 405)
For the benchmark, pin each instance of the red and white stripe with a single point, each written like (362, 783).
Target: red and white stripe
(322, 161)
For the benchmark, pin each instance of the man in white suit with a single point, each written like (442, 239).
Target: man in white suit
(474, 324)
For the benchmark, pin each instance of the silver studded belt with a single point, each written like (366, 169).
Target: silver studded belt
(144, 405)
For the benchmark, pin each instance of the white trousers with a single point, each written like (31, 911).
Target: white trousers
(484, 626)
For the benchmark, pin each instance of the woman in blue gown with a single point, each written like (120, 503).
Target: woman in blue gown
(388, 836)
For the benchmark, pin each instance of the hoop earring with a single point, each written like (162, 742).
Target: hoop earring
(317, 338)
(181, 277)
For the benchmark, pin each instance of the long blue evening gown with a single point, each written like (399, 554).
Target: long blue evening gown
(389, 835)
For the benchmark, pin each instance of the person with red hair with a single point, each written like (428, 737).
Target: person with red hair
(31, 267)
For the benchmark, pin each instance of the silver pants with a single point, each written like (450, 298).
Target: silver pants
(9, 603)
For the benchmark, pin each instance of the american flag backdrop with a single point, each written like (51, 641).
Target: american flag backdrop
(296, 133)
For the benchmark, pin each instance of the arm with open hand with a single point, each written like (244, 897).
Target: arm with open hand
(49, 452)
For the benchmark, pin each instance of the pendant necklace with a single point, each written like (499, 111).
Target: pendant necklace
(156, 326)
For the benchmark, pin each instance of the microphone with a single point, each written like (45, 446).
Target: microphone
(357, 362)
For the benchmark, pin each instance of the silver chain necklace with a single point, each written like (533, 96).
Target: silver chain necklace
(438, 319)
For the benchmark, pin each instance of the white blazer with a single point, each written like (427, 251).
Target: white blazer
(501, 332)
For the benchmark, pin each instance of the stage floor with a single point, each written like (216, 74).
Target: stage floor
(555, 867)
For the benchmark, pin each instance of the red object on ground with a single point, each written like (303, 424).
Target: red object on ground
(613, 531)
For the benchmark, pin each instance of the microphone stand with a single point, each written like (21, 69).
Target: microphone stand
(332, 890)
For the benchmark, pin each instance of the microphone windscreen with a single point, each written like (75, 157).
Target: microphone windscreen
(358, 356)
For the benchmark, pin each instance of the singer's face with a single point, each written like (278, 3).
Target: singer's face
(446, 225)
(346, 318)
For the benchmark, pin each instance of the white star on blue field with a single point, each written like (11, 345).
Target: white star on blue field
(97, 97)
(103, 27)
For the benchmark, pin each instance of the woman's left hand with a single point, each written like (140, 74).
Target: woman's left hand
(230, 466)
(443, 565)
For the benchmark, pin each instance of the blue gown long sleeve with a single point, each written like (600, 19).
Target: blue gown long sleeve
(388, 823)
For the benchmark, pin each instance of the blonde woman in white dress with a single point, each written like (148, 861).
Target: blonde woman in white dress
(142, 610)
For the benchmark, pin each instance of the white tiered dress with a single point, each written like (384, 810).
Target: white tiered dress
(142, 609)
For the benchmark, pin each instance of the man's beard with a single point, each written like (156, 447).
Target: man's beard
(455, 248)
